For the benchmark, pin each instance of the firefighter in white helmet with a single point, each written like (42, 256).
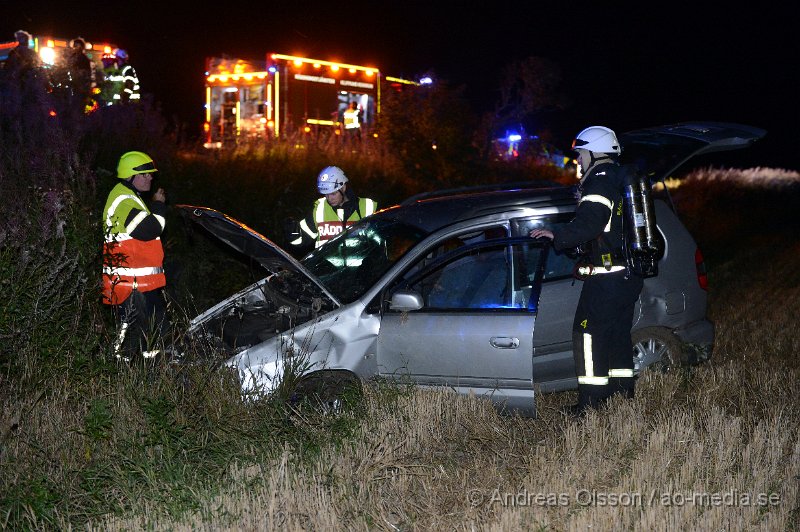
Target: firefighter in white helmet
(331, 214)
(601, 330)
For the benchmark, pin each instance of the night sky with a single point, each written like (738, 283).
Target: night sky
(628, 66)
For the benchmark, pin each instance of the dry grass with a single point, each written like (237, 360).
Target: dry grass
(716, 447)
(711, 448)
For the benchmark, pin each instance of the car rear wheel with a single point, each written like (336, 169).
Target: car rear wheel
(656, 348)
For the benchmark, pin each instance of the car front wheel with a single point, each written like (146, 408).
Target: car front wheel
(656, 348)
(329, 393)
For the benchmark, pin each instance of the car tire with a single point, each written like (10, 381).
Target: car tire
(656, 348)
(328, 393)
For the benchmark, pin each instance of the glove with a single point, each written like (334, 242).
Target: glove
(291, 229)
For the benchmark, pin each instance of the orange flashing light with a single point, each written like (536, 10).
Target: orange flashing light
(307, 129)
(298, 61)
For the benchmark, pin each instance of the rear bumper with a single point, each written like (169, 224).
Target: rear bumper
(698, 340)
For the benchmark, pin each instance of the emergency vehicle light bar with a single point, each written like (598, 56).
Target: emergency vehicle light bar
(400, 80)
(318, 122)
(334, 66)
(249, 76)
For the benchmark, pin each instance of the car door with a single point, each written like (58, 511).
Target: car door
(475, 329)
(553, 362)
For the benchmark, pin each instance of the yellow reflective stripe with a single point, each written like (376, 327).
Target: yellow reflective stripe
(119, 199)
(120, 338)
(595, 381)
(588, 365)
(319, 212)
(620, 373)
(132, 272)
(136, 221)
(369, 206)
(307, 230)
(596, 270)
(597, 198)
(161, 220)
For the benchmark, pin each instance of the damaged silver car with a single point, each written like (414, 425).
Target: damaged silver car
(447, 290)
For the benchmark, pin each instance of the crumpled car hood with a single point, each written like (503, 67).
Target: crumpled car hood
(254, 245)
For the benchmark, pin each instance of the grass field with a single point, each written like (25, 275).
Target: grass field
(713, 447)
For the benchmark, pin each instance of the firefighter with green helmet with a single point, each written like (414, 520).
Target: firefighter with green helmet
(133, 257)
(333, 213)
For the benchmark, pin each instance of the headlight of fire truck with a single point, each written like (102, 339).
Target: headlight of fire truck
(48, 55)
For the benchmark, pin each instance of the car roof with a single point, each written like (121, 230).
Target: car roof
(434, 210)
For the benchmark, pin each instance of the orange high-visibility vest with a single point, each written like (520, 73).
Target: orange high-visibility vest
(129, 264)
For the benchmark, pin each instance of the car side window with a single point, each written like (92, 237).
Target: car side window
(485, 277)
(479, 279)
(560, 264)
(455, 242)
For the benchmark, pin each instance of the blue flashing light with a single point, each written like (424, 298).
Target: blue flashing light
(425, 81)
(514, 137)
(273, 69)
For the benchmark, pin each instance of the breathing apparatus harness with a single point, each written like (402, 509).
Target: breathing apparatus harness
(642, 245)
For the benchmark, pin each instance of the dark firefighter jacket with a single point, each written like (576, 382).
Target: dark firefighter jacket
(598, 218)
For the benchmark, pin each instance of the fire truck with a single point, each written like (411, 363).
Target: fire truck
(286, 94)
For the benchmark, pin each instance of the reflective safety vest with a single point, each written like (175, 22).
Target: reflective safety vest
(111, 92)
(351, 119)
(329, 221)
(129, 264)
(131, 84)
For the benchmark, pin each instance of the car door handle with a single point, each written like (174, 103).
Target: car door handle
(504, 342)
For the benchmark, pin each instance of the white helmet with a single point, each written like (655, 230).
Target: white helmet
(597, 139)
(330, 179)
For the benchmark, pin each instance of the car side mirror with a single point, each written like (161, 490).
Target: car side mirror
(405, 300)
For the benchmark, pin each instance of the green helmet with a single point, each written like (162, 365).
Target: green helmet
(135, 162)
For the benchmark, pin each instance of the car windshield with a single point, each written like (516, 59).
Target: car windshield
(352, 262)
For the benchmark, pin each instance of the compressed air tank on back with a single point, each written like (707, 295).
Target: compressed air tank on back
(644, 245)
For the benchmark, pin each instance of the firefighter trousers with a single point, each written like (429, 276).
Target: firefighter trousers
(601, 335)
(142, 325)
